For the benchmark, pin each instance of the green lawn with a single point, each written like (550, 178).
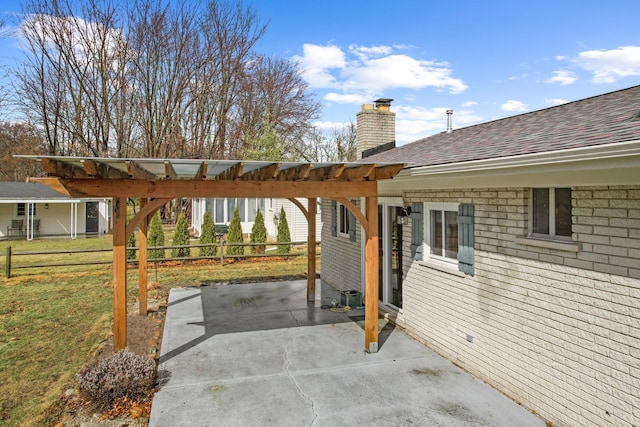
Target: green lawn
(53, 319)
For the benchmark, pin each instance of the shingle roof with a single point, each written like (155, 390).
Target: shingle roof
(28, 191)
(605, 119)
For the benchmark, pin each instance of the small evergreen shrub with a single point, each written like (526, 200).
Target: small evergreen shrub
(284, 235)
(235, 235)
(121, 374)
(208, 235)
(155, 237)
(131, 243)
(181, 237)
(258, 234)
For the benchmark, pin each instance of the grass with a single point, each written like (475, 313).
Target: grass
(52, 320)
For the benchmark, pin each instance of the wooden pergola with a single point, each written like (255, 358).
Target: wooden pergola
(157, 181)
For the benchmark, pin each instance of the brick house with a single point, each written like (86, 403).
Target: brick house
(512, 248)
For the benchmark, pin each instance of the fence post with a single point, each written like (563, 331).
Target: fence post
(7, 264)
(221, 251)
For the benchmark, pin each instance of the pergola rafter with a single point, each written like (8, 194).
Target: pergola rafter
(156, 181)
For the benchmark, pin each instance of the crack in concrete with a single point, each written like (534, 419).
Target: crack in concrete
(287, 362)
(294, 318)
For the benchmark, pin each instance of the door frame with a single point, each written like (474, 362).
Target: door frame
(385, 236)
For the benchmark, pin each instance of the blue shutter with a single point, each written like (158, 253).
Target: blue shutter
(334, 218)
(352, 226)
(417, 231)
(465, 239)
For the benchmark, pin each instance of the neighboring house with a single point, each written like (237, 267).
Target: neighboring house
(29, 210)
(512, 248)
(222, 212)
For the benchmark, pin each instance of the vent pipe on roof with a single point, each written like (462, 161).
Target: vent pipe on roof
(449, 121)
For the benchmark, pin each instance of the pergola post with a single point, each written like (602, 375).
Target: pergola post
(142, 262)
(311, 250)
(119, 273)
(371, 276)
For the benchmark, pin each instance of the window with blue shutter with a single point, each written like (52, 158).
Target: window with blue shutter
(417, 231)
(465, 239)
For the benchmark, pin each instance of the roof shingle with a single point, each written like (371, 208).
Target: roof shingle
(604, 119)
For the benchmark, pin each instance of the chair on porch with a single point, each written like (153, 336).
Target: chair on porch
(36, 227)
(15, 227)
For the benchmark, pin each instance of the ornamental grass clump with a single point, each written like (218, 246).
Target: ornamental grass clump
(121, 374)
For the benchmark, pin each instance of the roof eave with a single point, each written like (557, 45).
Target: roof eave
(593, 153)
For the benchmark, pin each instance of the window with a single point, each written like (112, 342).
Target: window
(22, 209)
(442, 232)
(442, 235)
(343, 221)
(551, 213)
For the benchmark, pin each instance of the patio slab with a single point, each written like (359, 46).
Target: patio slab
(259, 355)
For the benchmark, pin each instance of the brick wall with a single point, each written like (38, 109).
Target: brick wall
(340, 256)
(555, 330)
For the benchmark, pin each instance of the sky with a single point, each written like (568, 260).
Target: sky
(485, 60)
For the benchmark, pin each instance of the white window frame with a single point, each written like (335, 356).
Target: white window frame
(428, 256)
(552, 216)
(342, 218)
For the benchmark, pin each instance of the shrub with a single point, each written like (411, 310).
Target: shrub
(131, 243)
(121, 374)
(155, 237)
(181, 237)
(208, 235)
(258, 234)
(283, 233)
(235, 235)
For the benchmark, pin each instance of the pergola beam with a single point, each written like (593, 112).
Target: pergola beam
(220, 188)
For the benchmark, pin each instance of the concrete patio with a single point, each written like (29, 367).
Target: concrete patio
(258, 355)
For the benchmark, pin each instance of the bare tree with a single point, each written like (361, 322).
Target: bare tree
(72, 73)
(338, 146)
(230, 32)
(164, 41)
(19, 138)
(274, 97)
(157, 79)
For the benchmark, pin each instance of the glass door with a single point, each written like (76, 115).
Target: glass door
(390, 254)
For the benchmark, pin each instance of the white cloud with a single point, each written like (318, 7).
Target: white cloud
(373, 69)
(468, 104)
(349, 98)
(363, 53)
(316, 63)
(555, 101)
(562, 77)
(512, 106)
(608, 66)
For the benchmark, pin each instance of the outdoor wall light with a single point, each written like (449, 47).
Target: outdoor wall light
(46, 205)
(406, 211)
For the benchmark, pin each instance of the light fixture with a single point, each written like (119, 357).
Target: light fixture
(46, 205)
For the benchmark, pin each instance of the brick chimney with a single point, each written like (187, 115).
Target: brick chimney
(376, 128)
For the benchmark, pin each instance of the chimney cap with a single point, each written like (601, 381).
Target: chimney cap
(383, 101)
